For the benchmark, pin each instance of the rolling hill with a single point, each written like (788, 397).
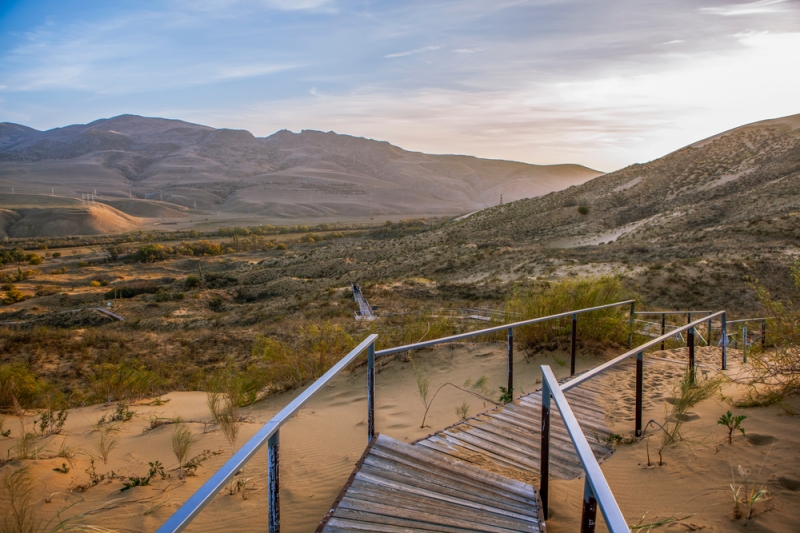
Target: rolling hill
(286, 176)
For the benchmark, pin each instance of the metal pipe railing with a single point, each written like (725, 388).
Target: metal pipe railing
(638, 352)
(509, 329)
(596, 489)
(270, 434)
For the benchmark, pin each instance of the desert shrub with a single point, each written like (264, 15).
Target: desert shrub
(773, 373)
(19, 386)
(192, 281)
(35, 259)
(125, 380)
(134, 289)
(150, 253)
(56, 255)
(280, 366)
(13, 295)
(583, 209)
(605, 326)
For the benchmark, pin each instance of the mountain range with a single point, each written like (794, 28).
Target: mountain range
(178, 169)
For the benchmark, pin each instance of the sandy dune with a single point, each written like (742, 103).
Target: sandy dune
(320, 446)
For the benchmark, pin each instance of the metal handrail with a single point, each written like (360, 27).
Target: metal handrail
(763, 319)
(635, 351)
(495, 329)
(671, 312)
(269, 432)
(596, 489)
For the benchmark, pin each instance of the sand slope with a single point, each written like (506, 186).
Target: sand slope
(94, 219)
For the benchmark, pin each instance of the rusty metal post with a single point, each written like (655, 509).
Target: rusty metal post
(663, 327)
(370, 392)
(589, 514)
(690, 343)
(630, 333)
(511, 363)
(574, 344)
(273, 484)
(724, 334)
(544, 466)
(639, 380)
(744, 343)
(709, 341)
(764, 334)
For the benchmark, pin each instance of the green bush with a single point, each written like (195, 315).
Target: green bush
(583, 209)
(605, 326)
(18, 383)
(192, 282)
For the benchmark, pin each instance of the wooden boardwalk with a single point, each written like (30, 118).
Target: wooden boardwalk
(480, 474)
(400, 488)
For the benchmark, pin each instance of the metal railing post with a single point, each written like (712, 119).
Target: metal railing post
(630, 332)
(639, 380)
(370, 392)
(574, 344)
(724, 334)
(663, 327)
(544, 466)
(273, 484)
(708, 343)
(744, 343)
(511, 362)
(690, 343)
(589, 514)
(764, 334)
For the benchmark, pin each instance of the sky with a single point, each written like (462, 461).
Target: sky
(603, 84)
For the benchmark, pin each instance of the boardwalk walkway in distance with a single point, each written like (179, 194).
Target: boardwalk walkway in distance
(398, 488)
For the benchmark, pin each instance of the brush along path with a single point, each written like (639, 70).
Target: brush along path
(479, 474)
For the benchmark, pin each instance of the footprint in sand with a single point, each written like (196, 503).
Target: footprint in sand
(789, 483)
(760, 440)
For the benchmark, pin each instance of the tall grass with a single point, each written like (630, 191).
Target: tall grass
(182, 442)
(603, 326)
(277, 365)
(19, 515)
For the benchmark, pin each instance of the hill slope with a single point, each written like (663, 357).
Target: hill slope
(286, 175)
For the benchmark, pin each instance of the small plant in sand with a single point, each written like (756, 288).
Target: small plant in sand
(52, 422)
(747, 493)
(18, 514)
(506, 395)
(732, 423)
(462, 411)
(477, 388)
(224, 410)
(106, 443)
(689, 391)
(182, 442)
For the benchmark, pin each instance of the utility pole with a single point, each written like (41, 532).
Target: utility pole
(501, 199)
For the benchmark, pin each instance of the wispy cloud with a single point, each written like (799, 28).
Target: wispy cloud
(412, 52)
(752, 8)
(535, 80)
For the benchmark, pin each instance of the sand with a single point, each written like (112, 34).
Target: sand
(320, 446)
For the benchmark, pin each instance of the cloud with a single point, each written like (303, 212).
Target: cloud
(412, 52)
(752, 8)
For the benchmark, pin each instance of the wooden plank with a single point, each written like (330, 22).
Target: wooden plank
(437, 496)
(390, 502)
(421, 479)
(450, 475)
(417, 485)
(416, 518)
